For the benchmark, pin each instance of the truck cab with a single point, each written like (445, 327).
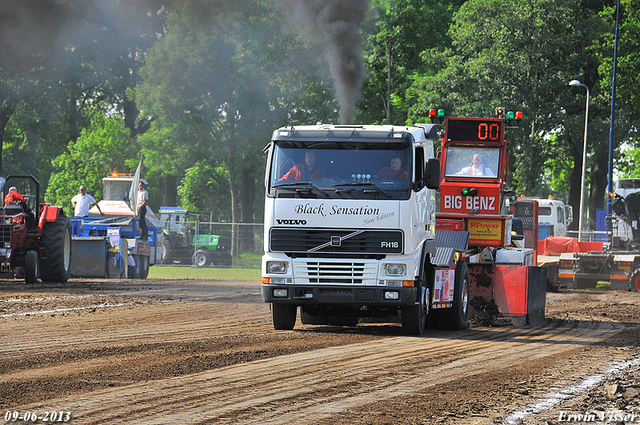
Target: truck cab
(350, 223)
(554, 217)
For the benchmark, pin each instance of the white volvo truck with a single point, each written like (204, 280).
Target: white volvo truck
(350, 228)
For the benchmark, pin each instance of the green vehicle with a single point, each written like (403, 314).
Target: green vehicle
(181, 244)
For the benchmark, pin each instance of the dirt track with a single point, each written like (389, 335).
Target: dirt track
(205, 352)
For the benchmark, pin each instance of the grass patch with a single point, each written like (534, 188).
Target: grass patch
(188, 272)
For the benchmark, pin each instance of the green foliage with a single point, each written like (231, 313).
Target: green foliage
(103, 147)
(204, 189)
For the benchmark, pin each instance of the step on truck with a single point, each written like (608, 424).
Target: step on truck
(350, 220)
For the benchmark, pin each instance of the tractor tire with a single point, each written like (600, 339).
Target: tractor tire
(31, 267)
(284, 316)
(635, 281)
(200, 258)
(168, 250)
(56, 239)
(456, 318)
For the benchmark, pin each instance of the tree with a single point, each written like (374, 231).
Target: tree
(103, 147)
(506, 54)
(402, 29)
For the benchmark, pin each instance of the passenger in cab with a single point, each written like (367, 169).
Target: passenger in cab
(395, 171)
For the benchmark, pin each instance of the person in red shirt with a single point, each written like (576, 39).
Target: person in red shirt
(309, 171)
(394, 172)
(14, 198)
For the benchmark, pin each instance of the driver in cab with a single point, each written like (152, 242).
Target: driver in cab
(309, 171)
(395, 171)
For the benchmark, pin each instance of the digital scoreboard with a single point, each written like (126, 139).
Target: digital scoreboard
(474, 130)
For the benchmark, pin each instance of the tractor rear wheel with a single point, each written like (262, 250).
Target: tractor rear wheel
(56, 240)
(31, 267)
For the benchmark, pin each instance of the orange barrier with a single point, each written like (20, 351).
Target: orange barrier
(560, 244)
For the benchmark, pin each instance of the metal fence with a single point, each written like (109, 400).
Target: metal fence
(215, 244)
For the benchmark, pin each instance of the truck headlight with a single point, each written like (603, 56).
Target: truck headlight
(277, 267)
(396, 269)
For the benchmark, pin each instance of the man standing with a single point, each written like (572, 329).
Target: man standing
(143, 198)
(82, 202)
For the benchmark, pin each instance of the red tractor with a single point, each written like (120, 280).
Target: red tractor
(35, 238)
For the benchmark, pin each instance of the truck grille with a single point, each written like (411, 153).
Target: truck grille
(335, 272)
(336, 241)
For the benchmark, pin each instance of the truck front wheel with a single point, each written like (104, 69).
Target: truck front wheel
(284, 316)
(414, 317)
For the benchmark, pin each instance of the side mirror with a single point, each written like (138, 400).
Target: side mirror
(432, 173)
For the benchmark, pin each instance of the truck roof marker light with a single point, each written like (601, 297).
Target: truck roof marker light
(114, 174)
(518, 115)
(510, 115)
(432, 113)
(440, 113)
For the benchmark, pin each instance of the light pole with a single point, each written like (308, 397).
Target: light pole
(576, 83)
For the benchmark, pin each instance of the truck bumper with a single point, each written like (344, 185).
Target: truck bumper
(353, 295)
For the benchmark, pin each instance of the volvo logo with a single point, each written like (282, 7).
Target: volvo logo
(336, 241)
(291, 222)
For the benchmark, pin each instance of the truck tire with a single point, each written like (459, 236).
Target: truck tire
(414, 317)
(31, 267)
(457, 317)
(635, 281)
(284, 316)
(56, 239)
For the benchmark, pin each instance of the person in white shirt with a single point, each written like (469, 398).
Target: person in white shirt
(477, 168)
(143, 198)
(82, 202)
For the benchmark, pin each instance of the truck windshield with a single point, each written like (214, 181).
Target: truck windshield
(361, 170)
(472, 161)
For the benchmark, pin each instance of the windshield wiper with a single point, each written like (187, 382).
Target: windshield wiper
(364, 185)
(308, 185)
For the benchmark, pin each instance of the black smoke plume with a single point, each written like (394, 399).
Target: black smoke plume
(337, 23)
